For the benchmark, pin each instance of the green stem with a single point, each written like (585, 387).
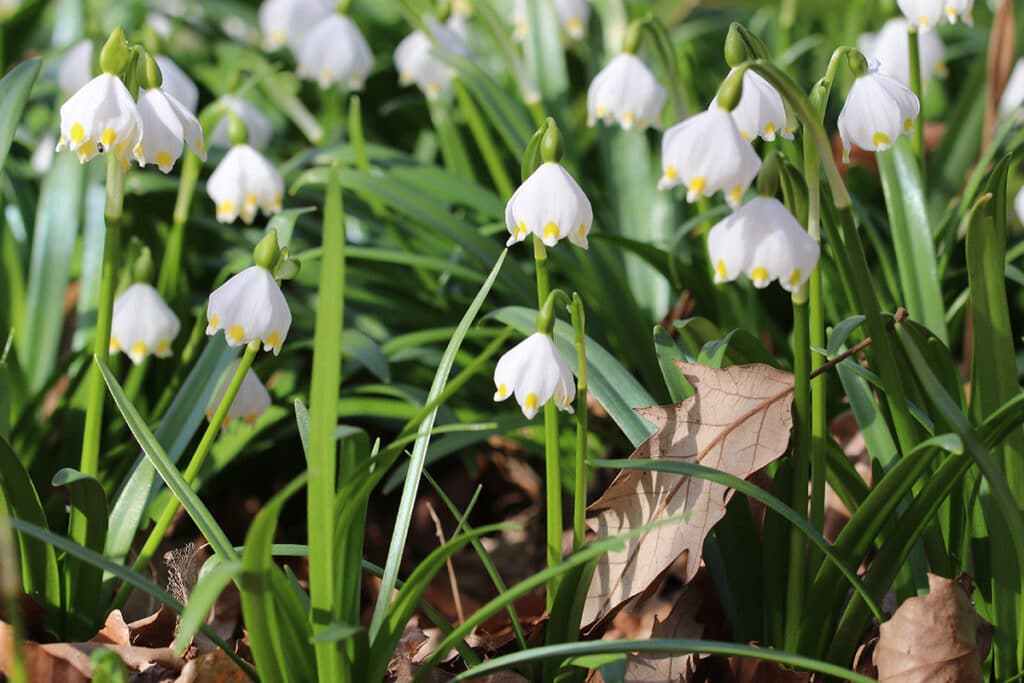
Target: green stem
(10, 592)
(914, 46)
(163, 521)
(104, 312)
(800, 466)
(670, 63)
(484, 141)
(169, 280)
(323, 421)
(579, 494)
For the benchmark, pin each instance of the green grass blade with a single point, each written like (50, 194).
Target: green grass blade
(668, 353)
(14, 90)
(87, 528)
(200, 515)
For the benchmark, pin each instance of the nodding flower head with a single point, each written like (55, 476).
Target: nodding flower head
(244, 182)
(626, 92)
(878, 110)
(416, 62)
(535, 373)
(760, 111)
(552, 206)
(334, 51)
(250, 306)
(100, 117)
(142, 324)
(251, 401)
(890, 47)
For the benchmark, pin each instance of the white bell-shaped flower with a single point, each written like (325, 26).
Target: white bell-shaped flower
(890, 47)
(760, 111)
(706, 153)
(75, 68)
(286, 22)
(878, 110)
(257, 126)
(573, 16)
(1018, 205)
(534, 371)
(142, 324)
(100, 117)
(763, 240)
(169, 126)
(243, 182)
(551, 205)
(1013, 93)
(925, 13)
(177, 83)
(250, 306)
(251, 401)
(626, 91)
(960, 10)
(334, 51)
(416, 63)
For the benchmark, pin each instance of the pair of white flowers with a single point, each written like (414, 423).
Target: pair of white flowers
(930, 13)
(573, 16)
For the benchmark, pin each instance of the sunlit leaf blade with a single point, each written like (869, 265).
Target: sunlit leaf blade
(87, 528)
(14, 90)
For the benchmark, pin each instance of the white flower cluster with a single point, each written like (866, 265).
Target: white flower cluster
(573, 16)
(930, 13)
(891, 49)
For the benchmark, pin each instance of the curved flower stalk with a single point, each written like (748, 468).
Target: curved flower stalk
(891, 49)
(250, 403)
(760, 111)
(877, 111)
(244, 182)
(286, 22)
(535, 373)
(75, 69)
(551, 205)
(573, 16)
(178, 83)
(706, 153)
(627, 92)
(417, 64)
(335, 51)
(257, 125)
(250, 306)
(142, 324)
(763, 240)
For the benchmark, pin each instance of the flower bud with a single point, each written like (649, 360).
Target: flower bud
(731, 91)
(631, 41)
(150, 75)
(858, 63)
(267, 252)
(237, 132)
(551, 145)
(735, 47)
(114, 54)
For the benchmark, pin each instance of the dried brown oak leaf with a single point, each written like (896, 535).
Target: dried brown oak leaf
(931, 638)
(738, 421)
(679, 624)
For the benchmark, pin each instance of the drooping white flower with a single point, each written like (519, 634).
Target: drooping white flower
(286, 22)
(960, 10)
(573, 16)
(763, 240)
(250, 306)
(535, 372)
(551, 205)
(877, 111)
(257, 125)
(243, 182)
(334, 51)
(707, 153)
(1013, 93)
(101, 116)
(75, 68)
(142, 324)
(251, 401)
(760, 111)
(626, 91)
(924, 13)
(177, 83)
(890, 47)
(417, 64)
(1018, 205)
(169, 126)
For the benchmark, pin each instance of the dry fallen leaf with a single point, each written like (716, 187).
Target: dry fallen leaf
(747, 670)
(931, 638)
(679, 624)
(738, 421)
(214, 667)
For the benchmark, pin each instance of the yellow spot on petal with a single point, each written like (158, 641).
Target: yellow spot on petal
(736, 193)
(251, 418)
(794, 279)
(759, 275)
(743, 134)
(200, 146)
(278, 36)
(502, 390)
(274, 340)
(880, 139)
(163, 159)
(163, 347)
(87, 151)
(574, 27)
(951, 13)
(250, 200)
(697, 185)
(908, 125)
(77, 133)
(108, 137)
(433, 90)
(628, 119)
(670, 172)
(213, 321)
(531, 401)
(326, 76)
(769, 129)
(923, 20)
(226, 207)
(115, 345)
(583, 229)
(601, 110)
(521, 229)
(138, 349)
(551, 230)
(721, 270)
(236, 333)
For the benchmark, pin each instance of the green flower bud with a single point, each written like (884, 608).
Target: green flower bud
(149, 73)
(267, 251)
(551, 146)
(731, 91)
(735, 47)
(142, 266)
(858, 63)
(237, 132)
(114, 53)
(631, 41)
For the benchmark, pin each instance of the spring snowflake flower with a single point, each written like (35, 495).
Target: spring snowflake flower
(930, 13)
(572, 17)
(168, 125)
(877, 111)
(257, 125)
(251, 401)
(625, 91)
(760, 111)
(75, 68)
(334, 51)
(889, 46)
(287, 22)
(763, 240)
(551, 205)
(177, 83)
(962, 10)
(1013, 93)
(707, 153)
(142, 324)
(535, 372)
(242, 182)
(417, 64)
(250, 306)
(99, 117)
